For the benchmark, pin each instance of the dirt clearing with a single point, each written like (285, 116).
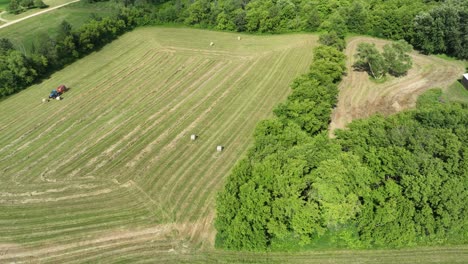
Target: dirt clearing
(361, 97)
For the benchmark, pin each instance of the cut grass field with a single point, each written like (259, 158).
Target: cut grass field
(361, 97)
(109, 174)
(112, 165)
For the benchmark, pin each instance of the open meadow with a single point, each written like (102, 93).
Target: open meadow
(112, 165)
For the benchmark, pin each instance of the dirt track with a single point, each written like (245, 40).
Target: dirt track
(360, 97)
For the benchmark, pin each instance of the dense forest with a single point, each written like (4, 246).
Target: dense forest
(383, 182)
(429, 25)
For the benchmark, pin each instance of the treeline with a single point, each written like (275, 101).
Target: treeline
(19, 70)
(269, 197)
(383, 182)
(19, 6)
(429, 25)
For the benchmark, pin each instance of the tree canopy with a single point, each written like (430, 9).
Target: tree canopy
(393, 60)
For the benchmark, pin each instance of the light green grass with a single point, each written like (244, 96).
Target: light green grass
(456, 93)
(24, 33)
(116, 154)
(49, 3)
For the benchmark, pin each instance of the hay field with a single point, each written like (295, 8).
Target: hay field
(110, 170)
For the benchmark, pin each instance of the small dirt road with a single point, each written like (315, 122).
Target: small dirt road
(9, 23)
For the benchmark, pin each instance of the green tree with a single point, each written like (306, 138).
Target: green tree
(14, 7)
(332, 39)
(369, 59)
(39, 4)
(396, 57)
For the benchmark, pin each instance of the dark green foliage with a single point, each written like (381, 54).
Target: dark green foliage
(393, 60)
(14, 7)
(332, 39)
(384, 182)
(5, 46)
(444, 29)
(369, 59)
(278, 195)
(19, 6)
(17, 70)
(432, 26)
(419, 160)
(396, 57)
(39, 4)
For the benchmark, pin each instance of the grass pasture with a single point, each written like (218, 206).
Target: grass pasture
(456, 92)
(111, 170)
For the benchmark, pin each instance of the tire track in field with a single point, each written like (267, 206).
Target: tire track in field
(360, 97)
(85, 145)
(68, 115)
(169, 110)
(212, 93)
(138, 112)
(148, 109)
(234, 116)
(112, 217)
(234, 134)
(131, 143)
(185, 170)
(117, 101)
(51, 117)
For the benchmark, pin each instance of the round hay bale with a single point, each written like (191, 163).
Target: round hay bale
(219, 148)
(193, 137)
(58, 98)
(238, 38)
(212, 43)
(44, 100)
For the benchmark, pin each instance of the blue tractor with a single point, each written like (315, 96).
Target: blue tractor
(54, 94)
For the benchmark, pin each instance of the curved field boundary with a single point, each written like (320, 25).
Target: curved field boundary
(360, 97)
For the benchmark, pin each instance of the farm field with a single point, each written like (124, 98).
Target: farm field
(361, 97)
(111, 170)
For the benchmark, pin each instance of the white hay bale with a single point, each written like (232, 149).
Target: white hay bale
(219, 148)
(238, 38)
(58, 98)
(44, 100)
(193, 137)
(212, 43)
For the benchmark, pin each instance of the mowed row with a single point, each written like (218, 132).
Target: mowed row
(111, 167)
